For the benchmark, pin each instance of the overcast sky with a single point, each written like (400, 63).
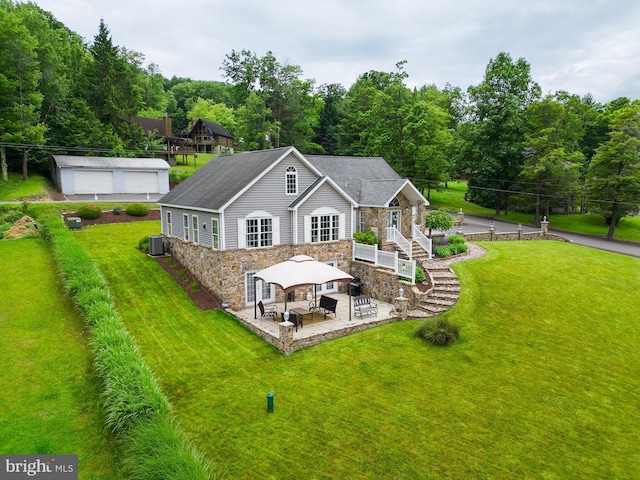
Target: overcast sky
(581, 46)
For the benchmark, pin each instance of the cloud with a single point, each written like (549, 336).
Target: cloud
(571, 45)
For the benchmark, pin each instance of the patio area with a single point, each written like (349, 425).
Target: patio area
(315, 327)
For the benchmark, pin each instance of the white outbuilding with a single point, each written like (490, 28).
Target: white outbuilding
(75, 175)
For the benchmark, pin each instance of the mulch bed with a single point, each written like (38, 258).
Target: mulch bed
(109, 217)
(200, 295)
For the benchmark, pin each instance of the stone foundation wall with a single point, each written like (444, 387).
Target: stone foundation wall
(381, 283)
(223, 271)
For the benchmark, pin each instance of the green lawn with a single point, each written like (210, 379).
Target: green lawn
(544, 382)
(452, 199)
(49, 394)
(16, 189)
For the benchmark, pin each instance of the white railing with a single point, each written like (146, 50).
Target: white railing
(421, 239)
(407, 269)
(387, 259)
(400, 266)
(393, 235)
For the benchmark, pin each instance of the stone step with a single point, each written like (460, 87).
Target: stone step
(446, 282)
(448, 289)
(439, 302)
(432, 309)
(445, 295)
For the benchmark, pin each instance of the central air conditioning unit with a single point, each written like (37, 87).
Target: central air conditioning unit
(156, 245)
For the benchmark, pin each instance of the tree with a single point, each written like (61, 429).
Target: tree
(614, 172)
(498, 106)
(438, 220)
(20, 99)
(111, 86)
(551, 161)
(327, 133)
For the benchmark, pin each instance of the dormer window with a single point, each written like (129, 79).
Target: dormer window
(291, 181)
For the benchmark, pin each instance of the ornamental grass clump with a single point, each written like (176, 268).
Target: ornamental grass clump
(134, 402)
(453, 239)
(437, 331)
(456, 248)
(442, 251)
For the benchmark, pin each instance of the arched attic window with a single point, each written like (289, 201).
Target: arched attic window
(291, 181)
(395, 203)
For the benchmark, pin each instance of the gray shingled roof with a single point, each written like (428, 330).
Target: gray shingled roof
(370, 181)
(217, 182)
(77, 161)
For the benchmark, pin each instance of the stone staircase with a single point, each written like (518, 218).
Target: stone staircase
(445, 291)
(446, 287)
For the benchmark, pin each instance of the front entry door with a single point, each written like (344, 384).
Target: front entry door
(394, 219)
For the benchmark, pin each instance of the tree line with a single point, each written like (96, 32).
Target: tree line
(519, 149)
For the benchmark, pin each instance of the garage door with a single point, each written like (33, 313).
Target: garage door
(140, 182)
(93, 181)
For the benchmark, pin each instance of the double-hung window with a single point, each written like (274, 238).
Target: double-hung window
(324, 224)
(325, 228)
(169, 227)
(194, 229)
(185, 226)
(258, 229)
(259, 232)
(214, 234)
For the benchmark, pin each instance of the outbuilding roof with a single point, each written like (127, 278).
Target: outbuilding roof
(77, 161)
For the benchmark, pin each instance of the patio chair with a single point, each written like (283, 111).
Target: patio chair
(268, 312)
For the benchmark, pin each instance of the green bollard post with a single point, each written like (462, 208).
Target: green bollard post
(270, 402)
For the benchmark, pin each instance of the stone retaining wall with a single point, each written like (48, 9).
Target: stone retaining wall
(223, 271)
(381, 283)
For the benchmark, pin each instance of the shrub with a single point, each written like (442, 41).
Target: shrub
(456, 239)
(420, 276)
(143, 244)
(443, 251)
(178, 176)
(437, 332)
(137, 209)
(117, 210)
(457, 248)
(89, 211)
(368, 237)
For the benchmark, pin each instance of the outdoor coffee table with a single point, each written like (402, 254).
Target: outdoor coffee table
(301, 312)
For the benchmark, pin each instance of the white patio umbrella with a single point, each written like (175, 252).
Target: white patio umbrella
(299, 271)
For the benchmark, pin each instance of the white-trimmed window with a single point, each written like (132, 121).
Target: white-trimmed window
(362, 218)
(291, 181)
(194, 229)
(215, 240)
(324, 225)
(169, 226)
(258, 229)
(325, 228)
(185, 226)
(265, 291)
